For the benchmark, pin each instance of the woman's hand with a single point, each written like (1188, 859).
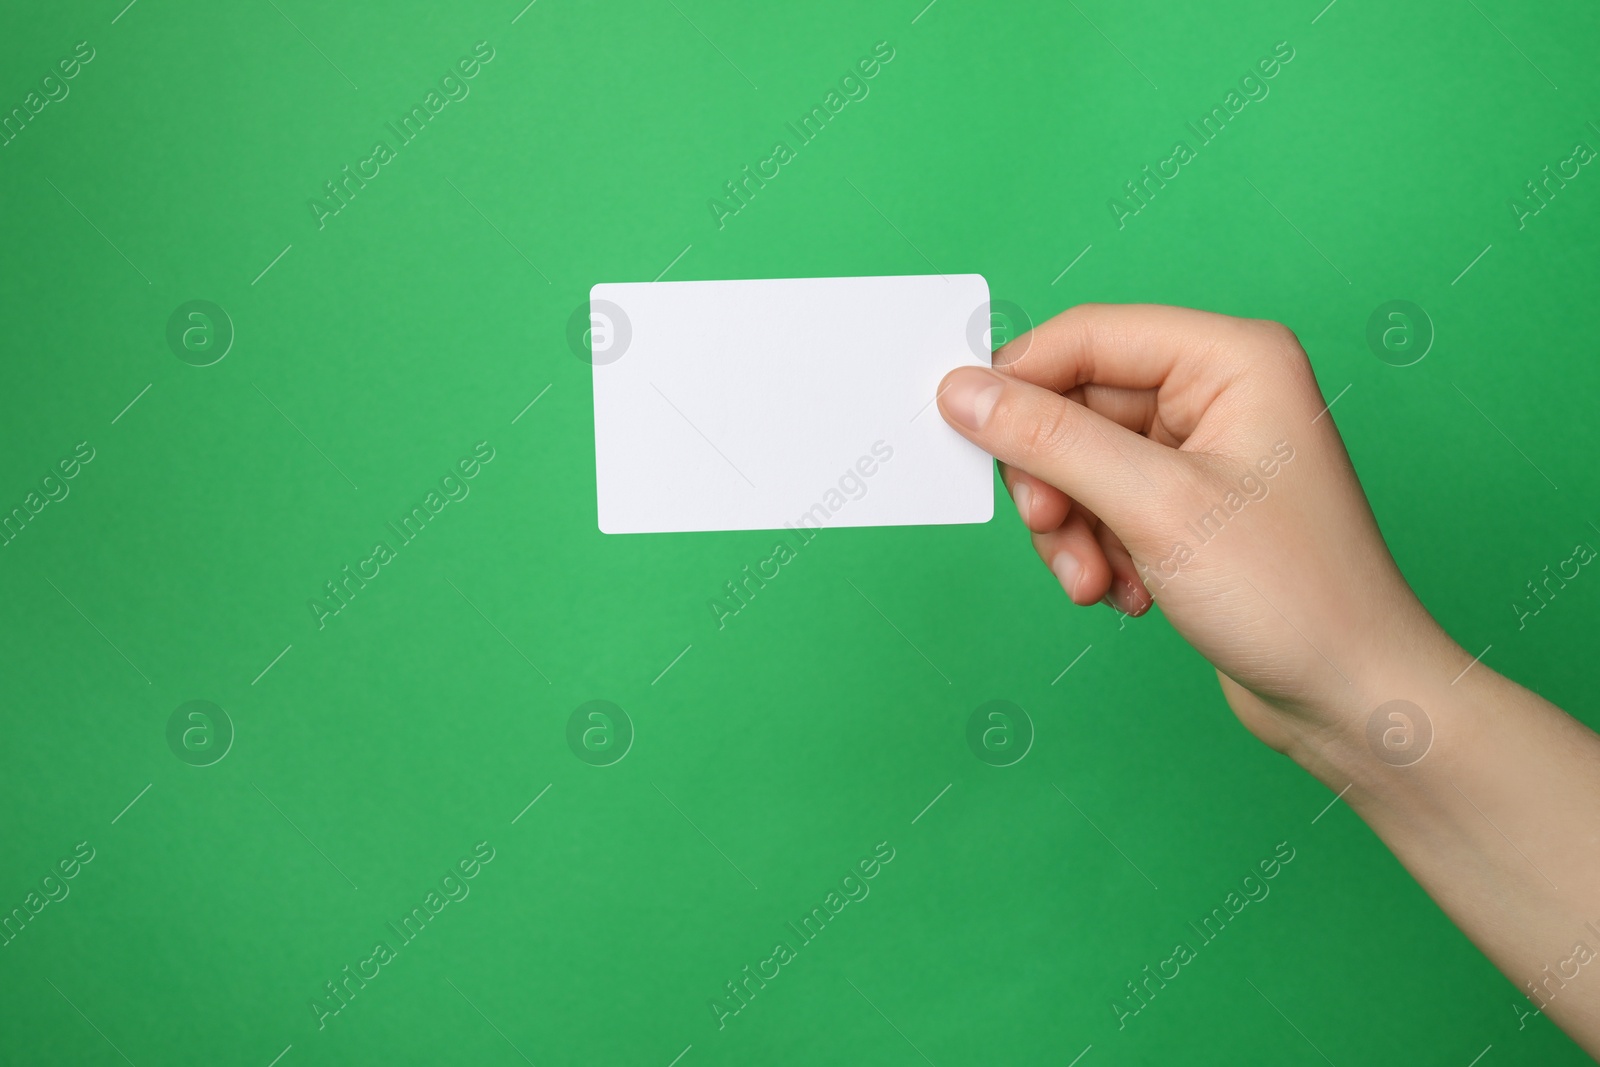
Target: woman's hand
(1155, 450)
(1190, 456)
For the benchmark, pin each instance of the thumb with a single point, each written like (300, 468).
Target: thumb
(1114, 472)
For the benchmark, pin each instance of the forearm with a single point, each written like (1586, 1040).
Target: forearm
(1499, 820)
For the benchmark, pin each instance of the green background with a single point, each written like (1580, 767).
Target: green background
(376, 752)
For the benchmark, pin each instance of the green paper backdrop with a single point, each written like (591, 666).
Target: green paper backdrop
(409, 771)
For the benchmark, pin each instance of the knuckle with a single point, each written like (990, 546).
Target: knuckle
(1270, 348)
(1082, 313)
(1047, 429)
(1275, 330)
(1280, 341)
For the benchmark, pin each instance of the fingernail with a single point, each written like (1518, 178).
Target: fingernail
(1024, 498)
(970, 395)
(1114, 599)
(1124, 598)
(1066, 569)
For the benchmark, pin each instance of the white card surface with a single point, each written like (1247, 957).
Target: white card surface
(785, 403)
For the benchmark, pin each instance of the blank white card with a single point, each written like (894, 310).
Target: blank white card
(786, 403)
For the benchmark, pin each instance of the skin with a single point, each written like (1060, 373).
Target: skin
(1119, 428)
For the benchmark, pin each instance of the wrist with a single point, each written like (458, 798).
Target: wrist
(1397, 714)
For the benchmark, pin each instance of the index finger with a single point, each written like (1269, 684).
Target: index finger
(1129, 346)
